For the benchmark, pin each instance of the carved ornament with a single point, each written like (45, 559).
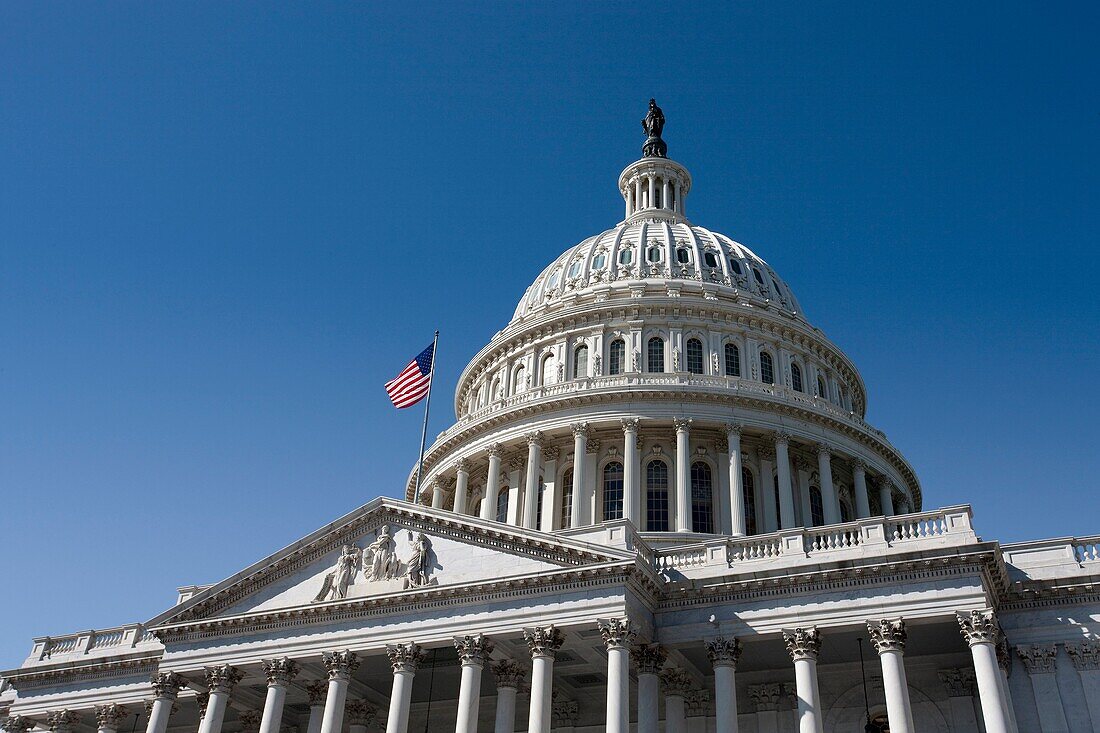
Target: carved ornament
(544, 641)
(617, 633)
(405, 657)
(341, 664)
(648, 658)
(724, 652)
(887, 636)
(473, 649)
(803, 642)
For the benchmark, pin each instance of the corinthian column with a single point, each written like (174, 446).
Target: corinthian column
(221, 680)
(804, 644)
(18, 724)
(648, 661)
(316, 691)
(783, 474)
(544, 642)
(509, 679)
(462, 485)
(580, 487)
(738, 525)
(62, 721)
(405, 659)
(632, 485)
(677, 685)
(828, 491)
(683, 474)
(110, 717)
(1086, 660)
(340, 666)
(859, 488)
(979, 629)
(889, 640)
(360, 715)
(166, 687)
(534, 468)
(279, 673)
(618, 635)
(886, 496)
(472, 652)
(492, 484)
(724, 654)
(1042, 663)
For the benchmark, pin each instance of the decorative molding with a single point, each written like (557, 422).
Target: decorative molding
(978, 627)
(887, 635)
(1004, 656)
(648, 658)
(340, 664)
(405, 657)
(110, 716)
(724, 652)
(959, 681)
(1085, 654)
(551, 453)
(222, 677)
(167, 685)
(676, 682)
(765, 697)
(1038, 659)
(682, 424)
(360, 712)
(474, 649)
(802, 642)
(544, 641)
(630, 424)
(617, 633)
(508, 674)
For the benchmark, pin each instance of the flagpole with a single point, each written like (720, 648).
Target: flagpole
(424, 430)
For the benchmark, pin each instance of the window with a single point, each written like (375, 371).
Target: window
(710, 259)
(817, 507)
(580, 362)
(548, 376)
(599, 261)
(775, 284)
(613, 491)
(822, 390)
(733, 360)
(736, 266)
(843, 396)
(494, 391)
(575, 269)
(502, 505)
(702, 510)
(778, 506)
(654, 254)
(655, 354)
(566, 498)
(845, 511)
(796, 377)
(538, 505)
(767, 373)
(748, 493)
(683, 255)
(626, 256)
(519, 380)
(756, 274)
(553, 281)
(656, 496)
(616, 355)
(694, 353)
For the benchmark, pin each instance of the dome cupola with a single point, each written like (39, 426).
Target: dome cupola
(654, 186)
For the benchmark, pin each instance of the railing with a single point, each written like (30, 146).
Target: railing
(120, 638)
(1087, 549)
(950, 526)
(1061, 557)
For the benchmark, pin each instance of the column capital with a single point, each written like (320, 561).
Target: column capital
(462, 465)
(167, 685)
(823, 449)
(766, 453)
(1085, 654)
(18, 724)
(341, 664)
(202, 700)
(551, 453)
(697, 703)
(111, 715)
(280, 671)
(1038, 659)
(682, 424)
(676, 682)
(360, 712)
(858, 465)
(617, 633)
(734, 429)
(630, 424)
(474, 649)
(580, 429)
(648, 658)
(249, 720)
(544, 641)
(62, 720)
(765, 697)
(887, 635)
(317, 690)
(801, 464)
(405, 657)
(508, 674)
(959, 681)
(517, 462)
(533, 438)
(978, 627)
(495, 450)
(1004, 656)
(782, 438)
(593, 446)
(724, 652)
(222, 677)
(802, 642)
(563, 714)
(722, 444)
(150, 703)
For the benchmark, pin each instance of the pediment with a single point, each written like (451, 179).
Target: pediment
(383, 549)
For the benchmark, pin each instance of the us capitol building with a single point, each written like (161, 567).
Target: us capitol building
(660, 508)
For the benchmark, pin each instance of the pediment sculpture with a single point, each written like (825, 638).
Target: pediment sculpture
(378, 569)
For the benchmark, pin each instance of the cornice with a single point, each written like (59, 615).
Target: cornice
(23, 679)
(1022, 596)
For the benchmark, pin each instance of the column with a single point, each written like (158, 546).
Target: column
(737, 494)
(62, 721)
(765, 699)
(767, 489)
(166, 687)
(509, 679)
(405, 659)
(1041, 664)
(677, 685)
(437, 494)
(550, 488)
(544, 642)
(889, 638)
(534, 473)
(1086, 660)
(803, 644)
(110, 717)
(19, 724)
(648, 661)
(492, 484)
(828, 491)
(783, 473)
(960, 697)
(618, 635)
(316, 691)
(652, 189)
(637, 194)
(724, 654)
(340, 666)
(360, 714)
(886, 496)
(221, 680)
(979, 629)
(1004, 661)
(632, 484)
(859, 488)
(676, 189)
(279, 673)
(462, 485)
(580, 488)
(683, 475)
(515, 491)
(472, 653)
(664, 194)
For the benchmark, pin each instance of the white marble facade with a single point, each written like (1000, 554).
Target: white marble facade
(660, 509)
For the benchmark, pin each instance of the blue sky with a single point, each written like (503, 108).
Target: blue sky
(224, 226)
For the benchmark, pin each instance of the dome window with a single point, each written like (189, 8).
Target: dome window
(580, 362)
(654, 254)
(756, 274)
(702, 507)
(656, 479)
(655, 355)
(767, 368)
(554, 277)
(775, 284)
(748, 495)
(613, 491)
(616, 355)
(575, 269)
(599, 261)
(822, 390)
(566, 516)
(683, 255)
(733, 360)
(502, 504)
(710, 259)
(736, 266)
(817, 507)
(796, 377)
(626, 256)
(694, 351)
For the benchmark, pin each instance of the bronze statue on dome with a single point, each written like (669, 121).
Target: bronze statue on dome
(653, 125)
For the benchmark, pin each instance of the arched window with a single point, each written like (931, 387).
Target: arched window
(655, 355)
(494, 391)
(702, 507)
(548, 376)
(694, 351)
(502, 505)
(748, 492)
(613, 491)
(822, 390)
(538, 506)
(519, 380)
(733, 360)
(567, 498)
(616, 356)
(767, 371)
(580, 362)
(656, 496)
(796, 377)
(817, 507)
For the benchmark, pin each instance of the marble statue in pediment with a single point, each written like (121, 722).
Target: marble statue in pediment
(336, 583)
(384, 564)
(420, 563)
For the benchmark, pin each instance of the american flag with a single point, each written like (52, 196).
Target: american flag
(410, 386)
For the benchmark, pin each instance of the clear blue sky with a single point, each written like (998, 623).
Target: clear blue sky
(224, 226)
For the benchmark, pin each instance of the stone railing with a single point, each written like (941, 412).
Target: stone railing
(104, 642)
(872, 536)
(1062, 557)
